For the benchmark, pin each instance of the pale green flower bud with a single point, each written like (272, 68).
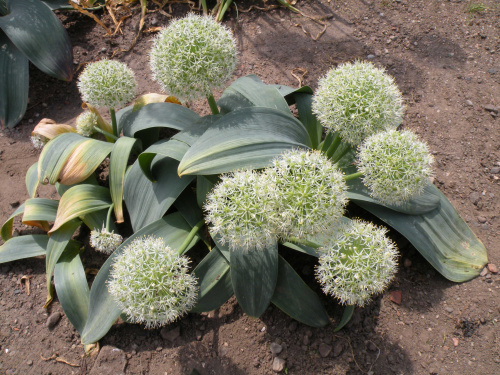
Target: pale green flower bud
(396, 166)
(151, 284)
(104, 241)
(358, 100)
(85, 123)
(107, 83)
(310, 193)
(360, 263)
(242, 212)
(192, 56)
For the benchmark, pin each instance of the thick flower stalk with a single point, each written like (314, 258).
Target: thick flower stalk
(358, 100)
(241, 211)
(396, 166)
(193, 56)
(310, 193)
(151, 284)
(107, 83)
(360, 263)
(104, 241)
(85, 123)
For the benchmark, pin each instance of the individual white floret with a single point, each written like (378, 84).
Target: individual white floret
(107, 83)
(104, 241)
(360, 263)
(396, 166)
(151, 284)
(85, 123)
(358, 100)
(193, 56)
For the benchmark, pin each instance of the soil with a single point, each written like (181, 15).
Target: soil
(446, 62)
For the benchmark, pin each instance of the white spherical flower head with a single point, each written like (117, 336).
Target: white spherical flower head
(151, 284)
(104, 241)
(241, 211)
(396, 166)
(38, 141)
(359, 264)
(310, 193)
(192, 56)
(107, 83)
(85, 123)
(358, 100)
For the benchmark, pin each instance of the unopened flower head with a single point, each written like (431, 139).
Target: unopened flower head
(107, 83)
(85, 123)
(38, 141)
(358, 100)
(310, 193)
(396, 166)
(192, 56)
(104, 241)
(151, 284)
(241, 211)
(360, 263)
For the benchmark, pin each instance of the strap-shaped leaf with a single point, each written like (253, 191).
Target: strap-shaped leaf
(81, 200)
(148, 201)
(32, 180)
(167, 147)
(117, 167)
(6, 230)
(203, 187)
(37, 32)
(254, 274)
(103, 311)
(289, 92)
(346, 317)
(97, 219)
(14, 83)
(244, 138)
(441, 236)
(308, 119)
(38, 211)
(214, 281)
(57, 4)
(21, 247)
(72, 289)
(296, 299)
(302, 248)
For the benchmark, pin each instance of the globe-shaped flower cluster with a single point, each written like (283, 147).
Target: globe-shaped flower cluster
(360, 263)
(104, 241)
(192, 56)
(85, 123)
(107, 83)
(396, 166)
(151, 284)
(358, 100)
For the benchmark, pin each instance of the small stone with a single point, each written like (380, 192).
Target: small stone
(305, 340)
(199, 335)
(492, 268)
(370, 56)
(324, 350)
(407, 263)
(223, 350)
(469, 103)
(159, 349)
(474, 197)
(482, 321)
(448, 309)
(29, 362)
(276, 348)
(495, 170)
(455, 341)
(372, 347)
(170, 334)
(492, 71)
(278, 364)
(293, 326)
(484, 272)
(481, 219)
(491, 108)
(396, 296)
(52, 320)
(338, 348)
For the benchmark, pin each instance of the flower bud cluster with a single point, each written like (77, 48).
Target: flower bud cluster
(396, 166)
(85, 123)
(358, 100)
(104, 241)
(151, 284)
(38, 141)
(360, 263)
(107, 83)
(192, 56)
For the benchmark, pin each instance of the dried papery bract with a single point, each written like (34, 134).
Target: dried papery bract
(151, 284)
(358, 100)
(396, 166)
(359, 263)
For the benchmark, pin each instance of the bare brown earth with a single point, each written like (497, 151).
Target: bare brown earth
(447, 64)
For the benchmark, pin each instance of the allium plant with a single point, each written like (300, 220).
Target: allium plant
(104, 241)
(86, 123)
(246, 181)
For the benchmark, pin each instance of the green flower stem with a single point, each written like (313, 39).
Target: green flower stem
(303, 242)
(108, 217)
(109, 136)
(190, 237)
(223, 10)
(113, 121)
(333, 147)
(341, 155)
(323, 146)
(204, 5)
(213, 104)
(353, 176)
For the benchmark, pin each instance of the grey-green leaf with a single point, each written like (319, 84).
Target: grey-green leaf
(21, 247)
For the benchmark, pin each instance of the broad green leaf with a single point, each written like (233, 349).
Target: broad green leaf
(38, 211)
(37, 32)
(214, 281)
(244, 138)
(14, 83)
(6, 230)
(103, 311)
(148, 201)
(296, 299)
(81, 200)
(32, 180)
(58, 4)
(254, 274)
(250, 91)
(188, 208)
(117, 167)
(203, 187)
(171, 148)
(61, 189)
(72, 289)
(441, 236)
(308, 119)
(289, 92)
(302, 248)
(21, 247)
(97, 219)
(346, 317)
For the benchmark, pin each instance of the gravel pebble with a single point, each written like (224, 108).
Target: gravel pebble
(278, 364)
(276, 348)
(53, 319)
